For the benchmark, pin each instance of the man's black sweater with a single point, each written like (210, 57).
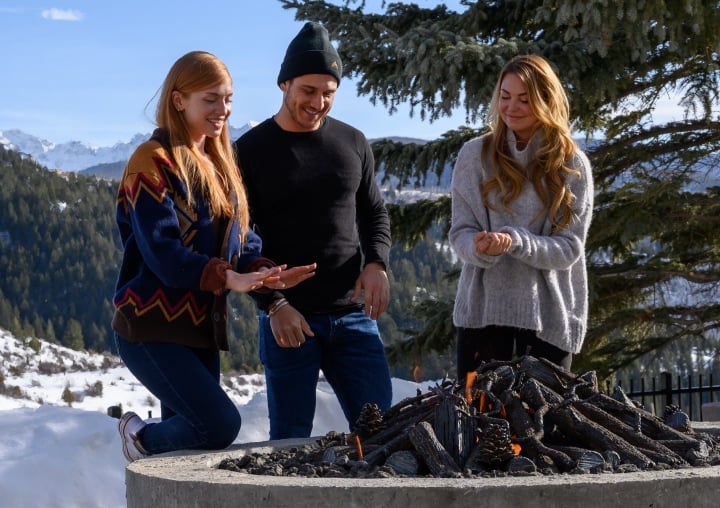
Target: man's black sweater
(313, 198)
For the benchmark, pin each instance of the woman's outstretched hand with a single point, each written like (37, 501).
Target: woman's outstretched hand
(276, 277)
(290, 277)
(245, 282)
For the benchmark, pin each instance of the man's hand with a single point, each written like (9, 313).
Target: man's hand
(289, 327)
(373, 286)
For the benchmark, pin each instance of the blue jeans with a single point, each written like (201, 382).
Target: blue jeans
(196, 413)
(347, 348)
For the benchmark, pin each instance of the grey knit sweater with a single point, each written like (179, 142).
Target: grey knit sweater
(541, 282)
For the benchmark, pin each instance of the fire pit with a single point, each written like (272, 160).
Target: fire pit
(527, 424)
(525, 416)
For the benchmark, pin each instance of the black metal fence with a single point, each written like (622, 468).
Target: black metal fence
(689, 393)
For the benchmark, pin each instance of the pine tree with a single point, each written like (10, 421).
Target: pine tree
(73, 337)
(655, 230)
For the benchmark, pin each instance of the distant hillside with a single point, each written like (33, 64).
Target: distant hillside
(59, 253)
(111, 170)
(401, 139)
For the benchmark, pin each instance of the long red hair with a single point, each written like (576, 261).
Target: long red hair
(221, 184)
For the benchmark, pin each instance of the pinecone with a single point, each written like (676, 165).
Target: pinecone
(370, 420)
(494, 446)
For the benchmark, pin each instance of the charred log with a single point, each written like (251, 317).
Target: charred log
(454, 427)
(437, 459)
(400, 442)
(621, 429)
(648, 423)
(572, 423)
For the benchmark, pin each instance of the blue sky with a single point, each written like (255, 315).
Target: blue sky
(85, 70)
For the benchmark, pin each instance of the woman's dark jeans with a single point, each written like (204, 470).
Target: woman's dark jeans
(503, 343)
(196, 413)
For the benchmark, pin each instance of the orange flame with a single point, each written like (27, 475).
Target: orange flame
(358, 446)
(503, 413)
(515, 447)
(483, 404)
(469, 381)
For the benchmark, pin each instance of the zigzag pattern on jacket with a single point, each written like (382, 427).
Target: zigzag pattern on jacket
(158, 186)
(159, 301)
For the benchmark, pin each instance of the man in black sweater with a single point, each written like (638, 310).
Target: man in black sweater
(313, 199)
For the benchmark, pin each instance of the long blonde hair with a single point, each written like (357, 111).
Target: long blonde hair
(549, 104)
(222, 185)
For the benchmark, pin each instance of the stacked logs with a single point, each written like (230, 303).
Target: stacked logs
(524, 416)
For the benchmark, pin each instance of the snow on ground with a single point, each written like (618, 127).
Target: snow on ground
(55, 454)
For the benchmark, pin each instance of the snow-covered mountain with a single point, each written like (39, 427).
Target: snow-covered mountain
(108, 162)
(76, 155)
(70, 156)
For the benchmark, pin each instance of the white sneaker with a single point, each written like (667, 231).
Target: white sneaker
(129, 426)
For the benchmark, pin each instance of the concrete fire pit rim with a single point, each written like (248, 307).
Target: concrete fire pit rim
(202, 466)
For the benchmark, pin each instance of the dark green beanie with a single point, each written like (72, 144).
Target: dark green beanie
(310, 52)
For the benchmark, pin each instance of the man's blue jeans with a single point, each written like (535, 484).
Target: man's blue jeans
(347, 348)
(196, 413)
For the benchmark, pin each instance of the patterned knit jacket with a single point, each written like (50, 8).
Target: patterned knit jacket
(172, 278)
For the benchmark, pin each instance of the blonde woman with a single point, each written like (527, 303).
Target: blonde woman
(183, 220)
(522, 200)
